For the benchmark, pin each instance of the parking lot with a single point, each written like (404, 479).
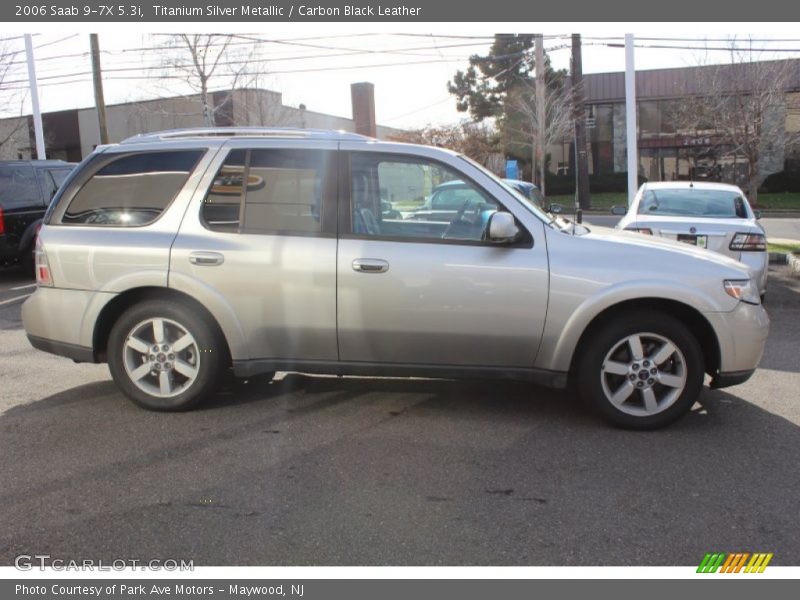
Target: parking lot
(360, 471)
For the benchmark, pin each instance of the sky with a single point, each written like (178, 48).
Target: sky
(315, 66)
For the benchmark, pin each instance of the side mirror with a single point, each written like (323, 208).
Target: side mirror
(502, 228)
(757, 214)
(556, 208)
(619, 211)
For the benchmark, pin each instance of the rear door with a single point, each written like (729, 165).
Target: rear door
(431, 293)
(259, 242)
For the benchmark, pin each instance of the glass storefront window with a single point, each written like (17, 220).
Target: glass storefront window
(648, 119)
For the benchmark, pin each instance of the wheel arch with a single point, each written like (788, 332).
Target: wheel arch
(111, 312)
(697, 324)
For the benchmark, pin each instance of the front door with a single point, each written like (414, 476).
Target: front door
(432, 292)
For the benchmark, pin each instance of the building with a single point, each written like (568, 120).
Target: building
(667, 151)
(72, 134)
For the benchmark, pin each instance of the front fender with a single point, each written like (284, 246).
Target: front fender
(559, 344)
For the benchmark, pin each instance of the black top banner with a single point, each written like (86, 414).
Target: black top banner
(179, 11)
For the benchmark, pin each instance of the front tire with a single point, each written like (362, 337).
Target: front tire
(641, 370)
(165, 355)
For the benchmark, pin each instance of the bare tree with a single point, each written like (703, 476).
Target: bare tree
(262, 107)
(558, 119)
(203, 60)
(479, 141)
(11, 99)
(738, 111)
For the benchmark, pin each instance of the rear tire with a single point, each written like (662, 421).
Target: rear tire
(165, 355)
(27, 262)
(641, 370)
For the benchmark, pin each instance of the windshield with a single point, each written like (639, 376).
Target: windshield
(526, 202)
(693, 202)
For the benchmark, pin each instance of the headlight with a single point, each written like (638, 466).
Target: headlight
(742, 289)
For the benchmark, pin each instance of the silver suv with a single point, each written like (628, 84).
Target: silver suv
(180, 256)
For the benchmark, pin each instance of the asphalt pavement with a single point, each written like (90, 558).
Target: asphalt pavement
(364, 471)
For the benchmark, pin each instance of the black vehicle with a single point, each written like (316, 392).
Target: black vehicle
(26, 188)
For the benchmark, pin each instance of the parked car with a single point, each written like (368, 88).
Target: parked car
(446, 200)
(146, 261)
(26, 188)
(713, 216)
(527, 189)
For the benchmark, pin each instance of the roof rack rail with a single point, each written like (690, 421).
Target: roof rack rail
(276, 132)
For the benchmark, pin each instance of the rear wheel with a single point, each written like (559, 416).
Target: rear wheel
(27, 262)
(641, 371)
(165, 355)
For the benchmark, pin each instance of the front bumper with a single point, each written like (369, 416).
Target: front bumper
(742, 335)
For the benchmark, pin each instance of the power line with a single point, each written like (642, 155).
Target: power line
(58, 41)
(411, 112)
(251, 73)
(709, 48)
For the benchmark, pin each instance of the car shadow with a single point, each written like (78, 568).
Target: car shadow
(782, 305)
(363, 471)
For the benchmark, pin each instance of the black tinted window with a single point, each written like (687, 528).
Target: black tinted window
(283, 192)
(18, 186)
(51, 180)
(132, 190)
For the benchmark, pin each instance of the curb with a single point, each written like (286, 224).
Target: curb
(778, 258)
(793, 259)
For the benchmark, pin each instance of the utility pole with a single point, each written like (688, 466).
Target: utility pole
(630, 119)
(579, 116)
(37, 113)
(97, 76)
(541, 115)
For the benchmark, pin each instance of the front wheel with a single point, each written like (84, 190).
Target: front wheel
(641, 370)
(165, 355)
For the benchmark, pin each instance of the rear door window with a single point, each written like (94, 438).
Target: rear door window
(269, 191)
(132, 190)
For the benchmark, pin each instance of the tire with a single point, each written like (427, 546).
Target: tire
(27, 262)
(184, 370)
(623, 387)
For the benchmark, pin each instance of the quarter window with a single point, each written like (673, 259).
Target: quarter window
(133, 190)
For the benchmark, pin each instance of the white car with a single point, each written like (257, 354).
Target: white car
(714, 216)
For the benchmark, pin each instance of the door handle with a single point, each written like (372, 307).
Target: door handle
(206, 259)
(370, 265)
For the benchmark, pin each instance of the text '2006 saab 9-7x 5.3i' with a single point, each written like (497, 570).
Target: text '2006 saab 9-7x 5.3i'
(179, 256)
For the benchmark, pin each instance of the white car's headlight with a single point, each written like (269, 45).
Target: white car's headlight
(742, 289)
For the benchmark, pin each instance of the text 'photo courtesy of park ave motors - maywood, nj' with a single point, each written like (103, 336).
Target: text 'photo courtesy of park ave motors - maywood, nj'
(292, 10)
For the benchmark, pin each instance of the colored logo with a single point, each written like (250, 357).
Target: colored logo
(736, 562)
